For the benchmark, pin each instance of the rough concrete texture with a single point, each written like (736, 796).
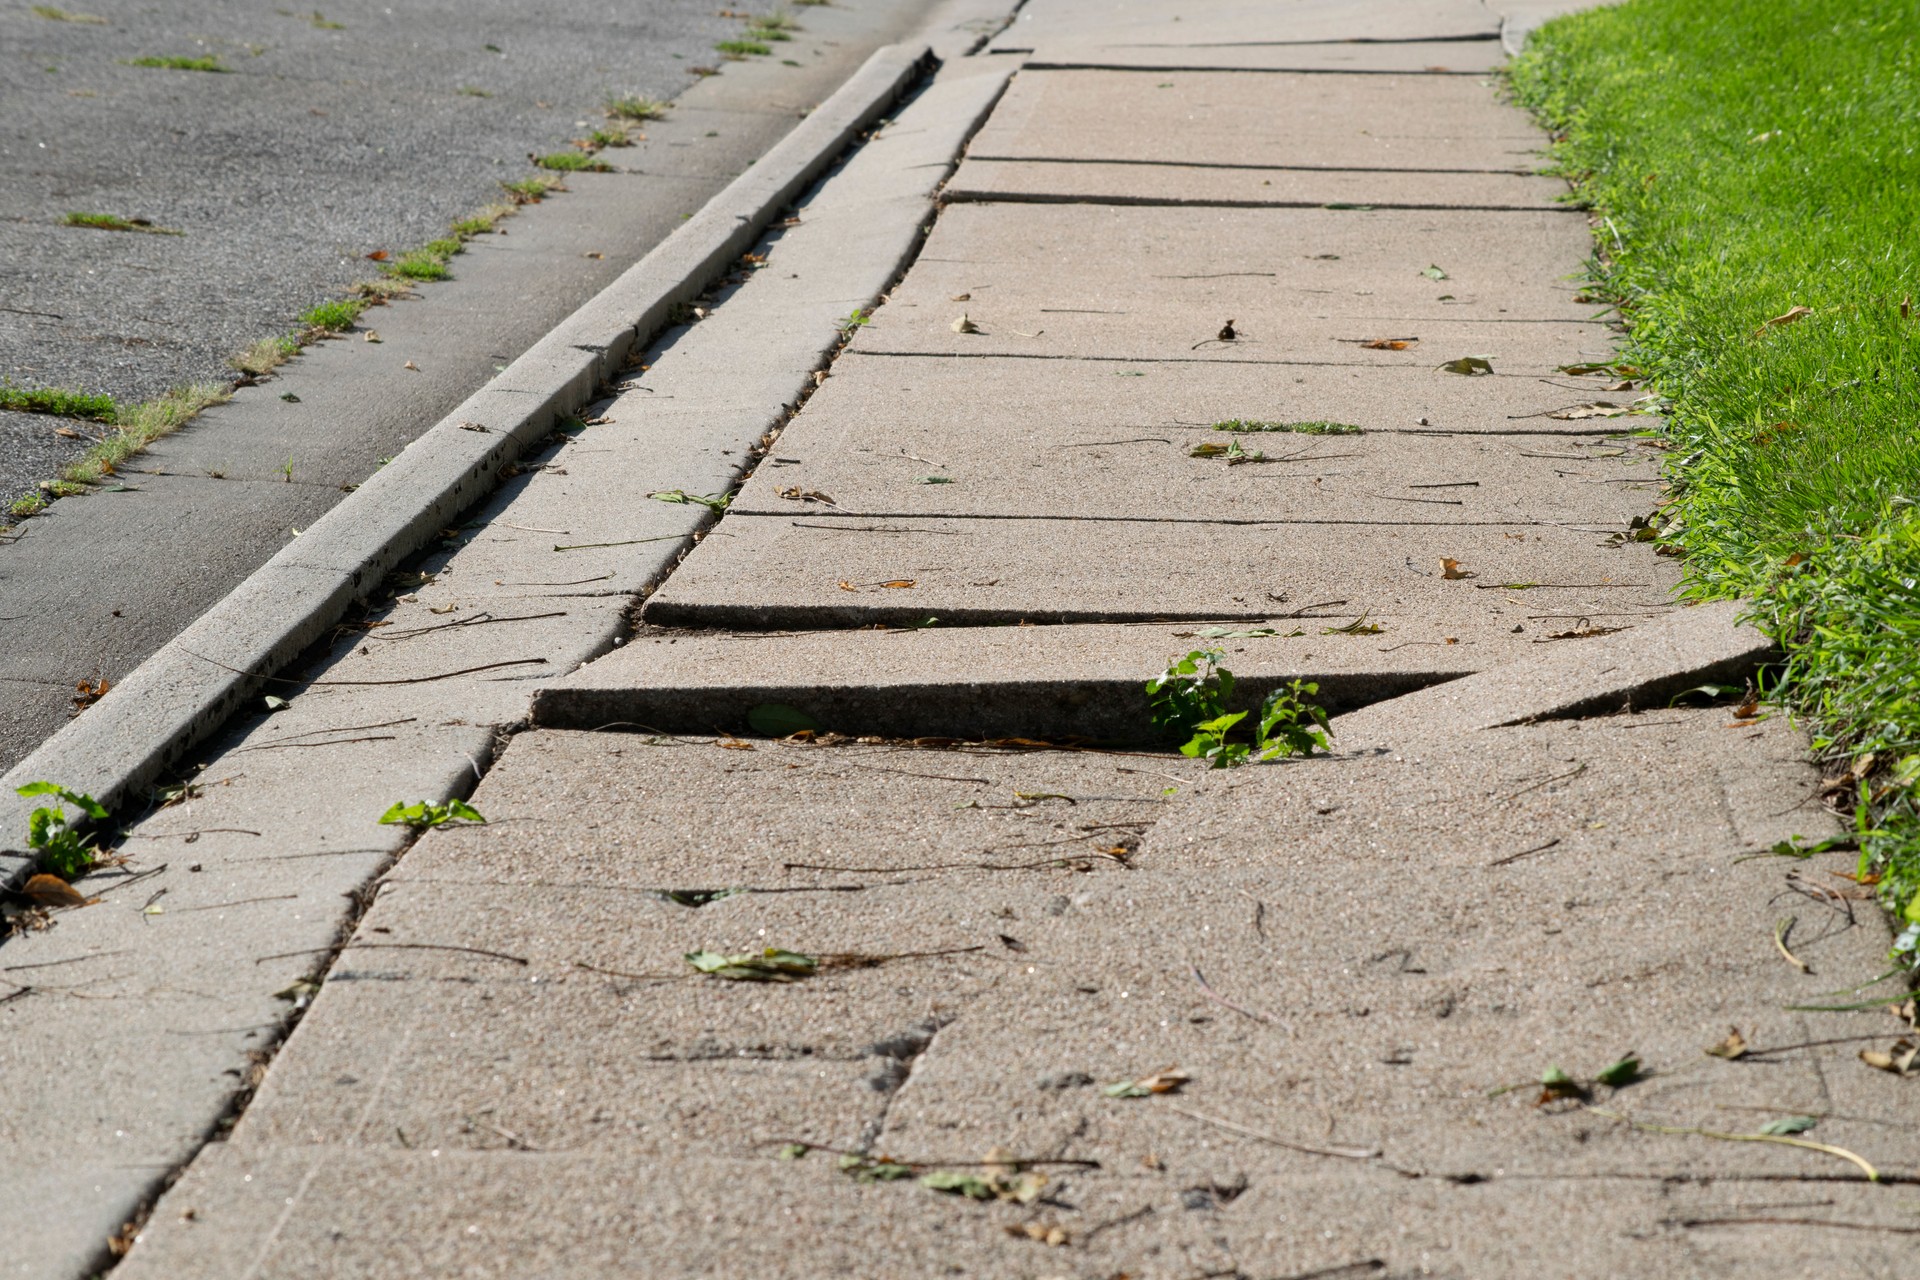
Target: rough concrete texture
(1158, 182)
(1417, 122)
(879, 439)
(1366, 1046)
(1475, 56)
(812, 571)
(1043, 26)
(1158, 283)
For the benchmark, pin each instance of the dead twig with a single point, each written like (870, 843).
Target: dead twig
(1338, 1153)
(1873, 1175)
(1524, 853)
(444, 675)
(1207, 990)
(1781, 929)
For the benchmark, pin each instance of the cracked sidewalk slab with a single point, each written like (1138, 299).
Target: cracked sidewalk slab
(1385, 1030)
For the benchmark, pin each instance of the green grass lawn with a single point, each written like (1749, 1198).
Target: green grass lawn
(1745, 158)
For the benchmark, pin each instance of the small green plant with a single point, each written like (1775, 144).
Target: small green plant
(422, 814)
(334, 317)
(855, 319)
(738, 49)
(616, 136)
(419, 264)
(178, 64)
(531, 190)
(114, 222)
(56, 846)
(1191, 695)
(572, 162)
(266, 355)
(635, 106)
(1304, 428)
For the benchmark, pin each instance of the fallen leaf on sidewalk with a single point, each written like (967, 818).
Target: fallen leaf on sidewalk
(1787, 1126)
(964, 325)
(769, 965)
(1592, 409)
(1053, 1236)
(1619, 1075)
(371, 335)
(1792, 315)
(89, 692)
(1358, 627)
(712, 501)
(68, 433)
(411, 365)
(962, 297)
(1388, 344)
(861, 1169)
(1435, 273)
(1899, 1060)
(1468, 365)
(378, 255)
(1450, 570)
(1555, 1084)
(1227, 333)
(1165, 1080)
(51, 891)
(1734, 1046)
(794, 493)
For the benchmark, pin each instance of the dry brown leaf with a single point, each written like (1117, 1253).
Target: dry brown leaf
(1734, 1046)
(371, 335)
(378, 255)
(1792, 315)
(52, 891)
(732, 744)
(1388, 344)
(68, 432)
(1450, 570)
(1749, 706)
(963, 297)
(1592, 409)
(899, 583)
(964, 325)
(1899, 1060)
(411, 365)
(847, 586)
(795, 493)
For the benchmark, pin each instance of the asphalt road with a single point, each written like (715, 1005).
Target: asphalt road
(278, 204)
(329, 136)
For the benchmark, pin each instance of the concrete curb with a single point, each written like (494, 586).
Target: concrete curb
(176, 698)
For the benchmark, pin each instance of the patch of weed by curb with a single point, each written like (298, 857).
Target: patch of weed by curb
(57, 402)
(114, 222)
(265, 355)
(572, 162)
(335, 316)
(742, 48)
(419, 264)
(138, 427)
(52, 14)
(532, 190)
(635, 107)
(178, 64)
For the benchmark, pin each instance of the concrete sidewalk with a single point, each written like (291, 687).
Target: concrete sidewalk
(1338, 981)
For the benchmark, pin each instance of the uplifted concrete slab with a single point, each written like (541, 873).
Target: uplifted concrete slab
(1090, 400)
(1437, 57)
(1044, 25)
(932, 452)
(1157, 182)
(1413, 121)
(1707, 644)
(772, 572)
(1055, 683)
(1335, 1050)
(1158, 283)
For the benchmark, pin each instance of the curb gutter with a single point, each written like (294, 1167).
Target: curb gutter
(180, 695)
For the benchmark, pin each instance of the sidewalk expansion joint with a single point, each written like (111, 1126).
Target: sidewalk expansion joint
(1249, 168)
(965, 196)
(1204, 521)
(1174, 67)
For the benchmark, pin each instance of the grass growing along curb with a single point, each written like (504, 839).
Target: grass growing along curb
(114, 222)
(57, 402)
(1753, 168)
(51, 14)
(742, 48)
(635, 107)
(572, 162)
(1245, 425)
(178, 64)
(136, 428)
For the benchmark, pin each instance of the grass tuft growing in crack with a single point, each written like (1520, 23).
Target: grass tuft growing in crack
(58, 402)
(636, 107)
(139, 426)
(178, 64)
(114, 222)
(1753, 168)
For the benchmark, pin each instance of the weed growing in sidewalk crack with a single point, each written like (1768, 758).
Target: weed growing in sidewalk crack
(635, 106)
(56, 846)
(57, 402)
(572, 162)
(1191, 696)
(422, 814)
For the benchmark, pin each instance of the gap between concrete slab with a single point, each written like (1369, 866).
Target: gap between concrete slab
(1175, 202)
(1173, 67)
(1220, 164)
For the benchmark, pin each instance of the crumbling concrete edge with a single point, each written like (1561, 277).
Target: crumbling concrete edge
(185, 691)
